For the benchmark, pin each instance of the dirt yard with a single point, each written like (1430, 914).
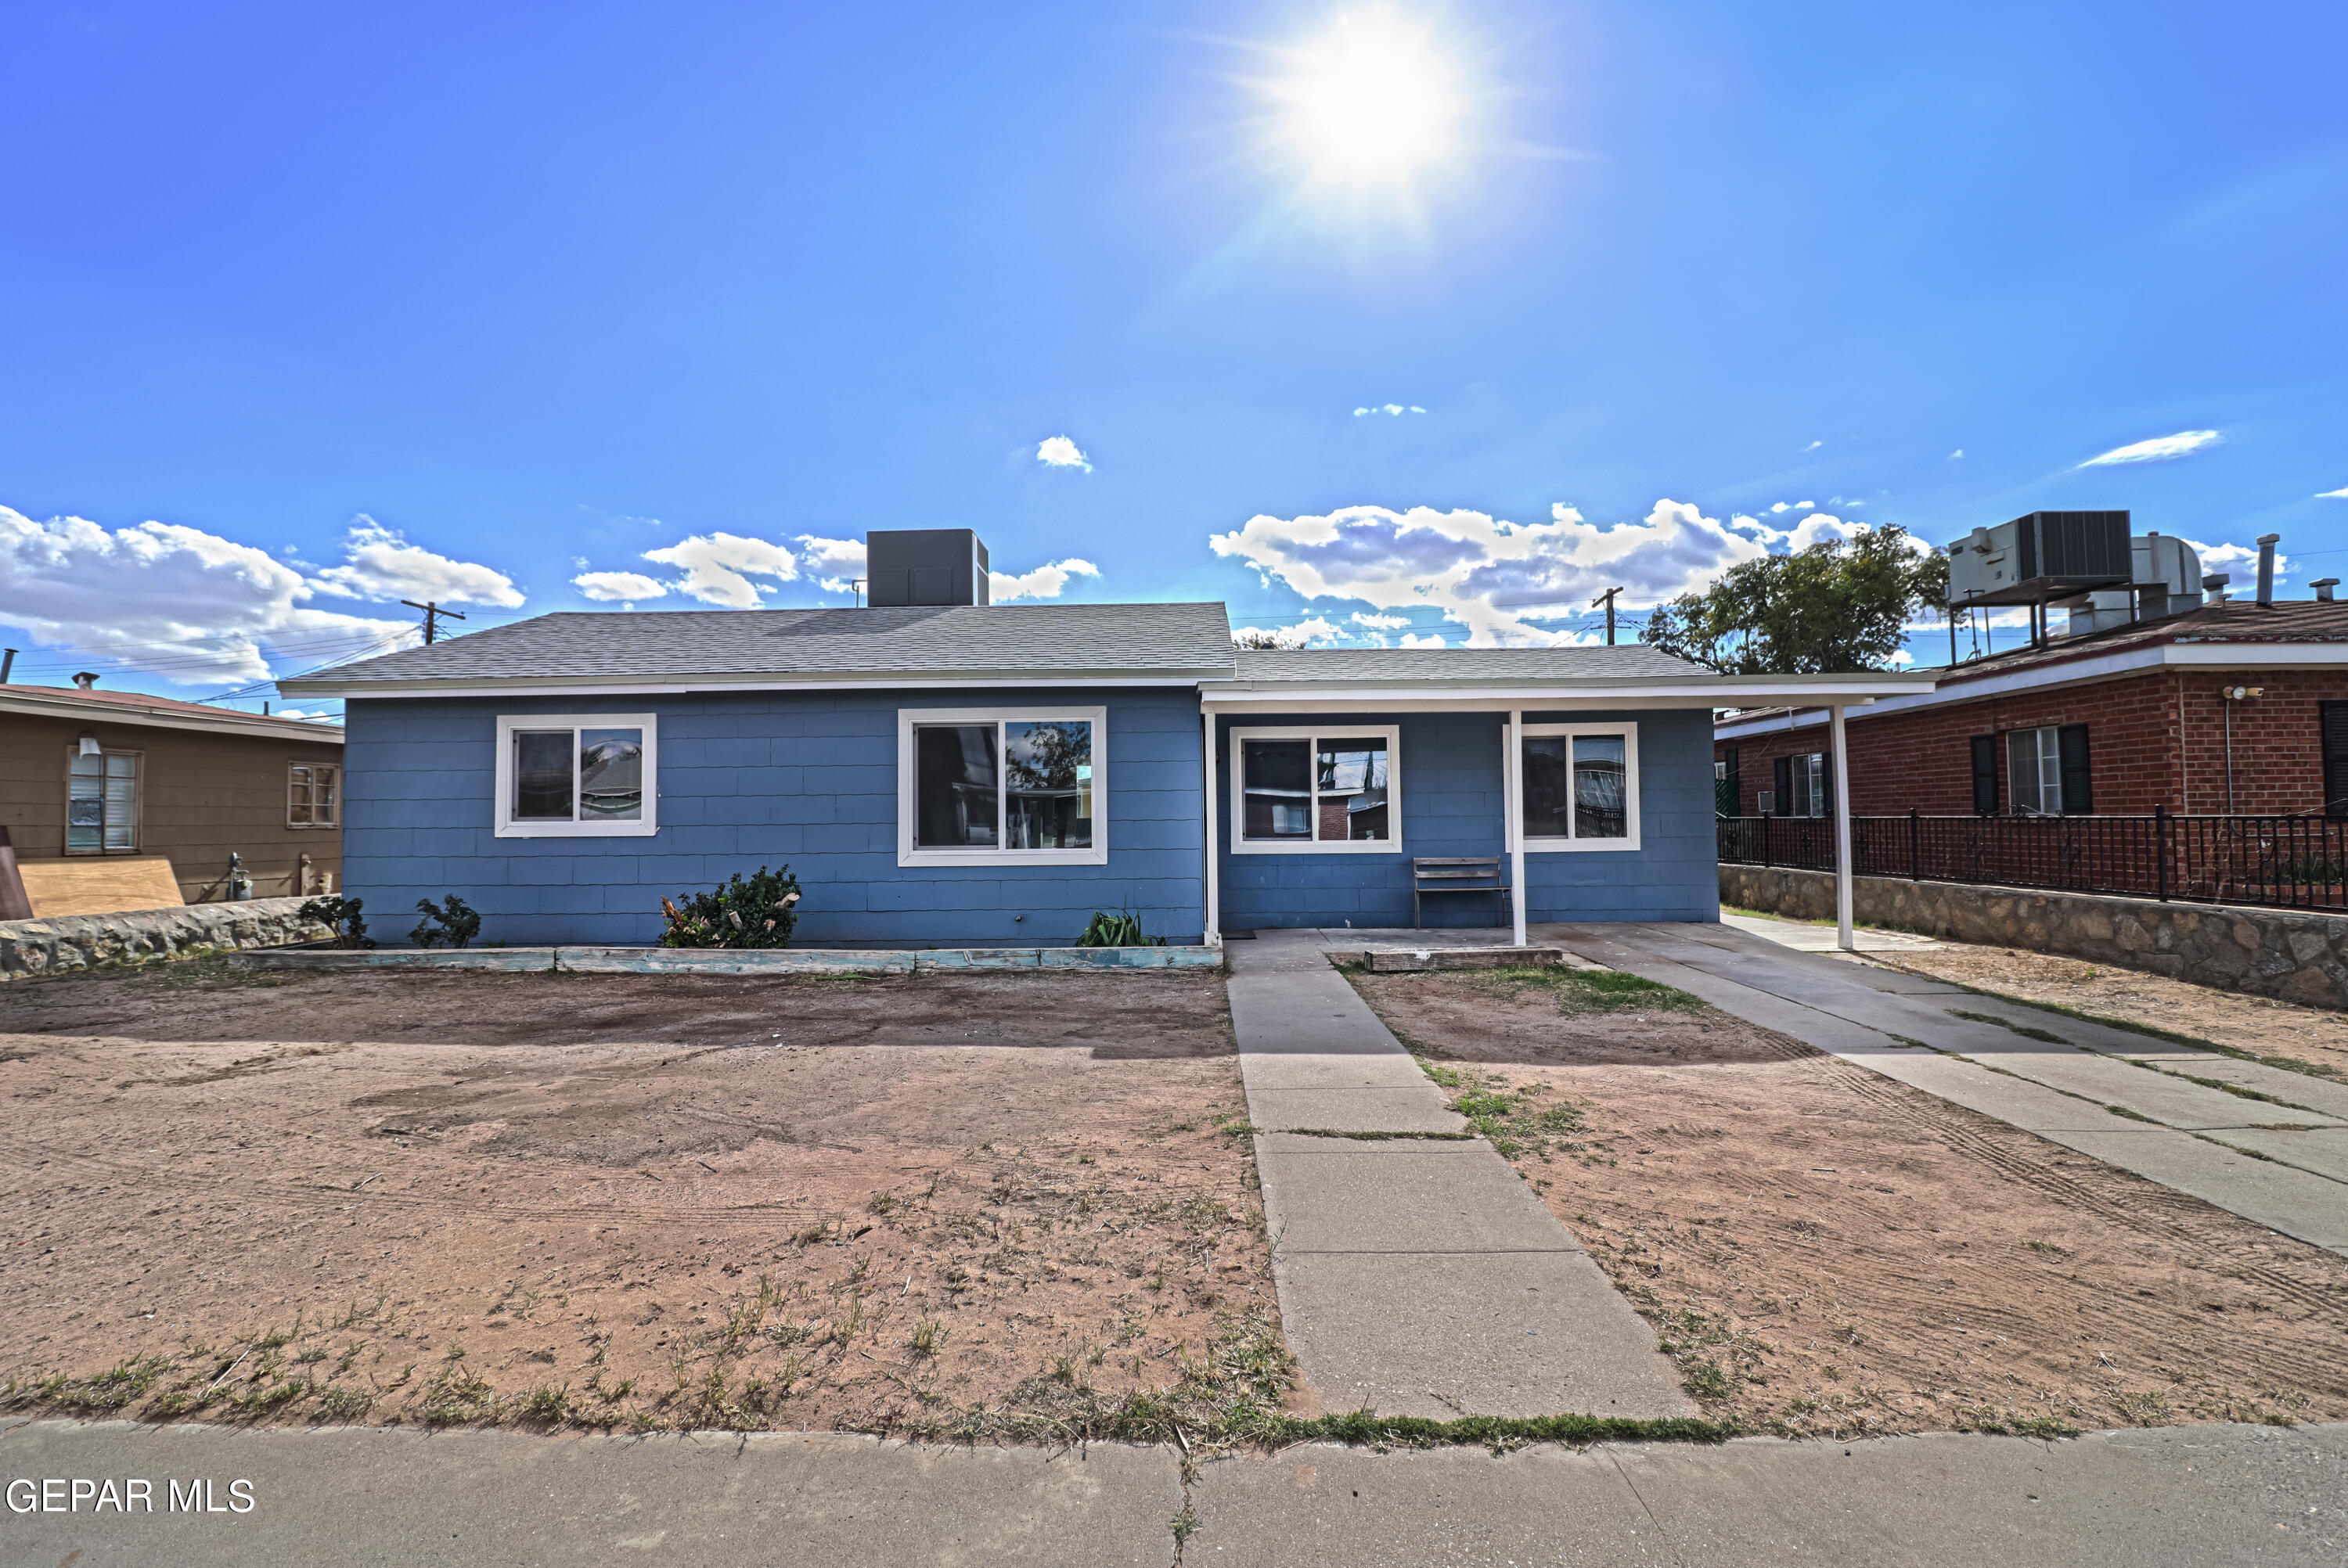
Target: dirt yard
(2256, 1025)
(618, 1201)
(1825, 1251)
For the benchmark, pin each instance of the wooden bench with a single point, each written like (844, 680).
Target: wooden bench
(1454, 874)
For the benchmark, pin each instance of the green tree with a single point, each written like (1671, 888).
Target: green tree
(1838, 606)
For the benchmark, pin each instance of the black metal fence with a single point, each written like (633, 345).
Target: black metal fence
(2290, 862)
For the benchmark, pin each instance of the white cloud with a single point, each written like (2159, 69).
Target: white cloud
(1955, 454)
(1380, 622)
(190, 607)
(1392, 410)
(715, 567)
(1488, 575)
(1059, 452)
(835, 563)
(614, 586)
(2158, 449)
(2237, 559)
(2339, 495)
(1813, 446)
(379, 564)
(1431, 640)
(1043, 582)
(1804, 505)
(1782, 507)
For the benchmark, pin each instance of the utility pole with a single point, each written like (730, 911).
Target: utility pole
(1607, 598)
(432, 613)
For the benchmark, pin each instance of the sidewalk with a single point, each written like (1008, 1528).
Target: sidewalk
(1417, 1276)
(2167, 1497)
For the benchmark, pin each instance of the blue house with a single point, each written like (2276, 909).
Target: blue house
(942, 771)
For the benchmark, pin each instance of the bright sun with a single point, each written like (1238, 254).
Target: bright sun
(1370, 101)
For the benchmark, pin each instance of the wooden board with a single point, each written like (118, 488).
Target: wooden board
(99, 884)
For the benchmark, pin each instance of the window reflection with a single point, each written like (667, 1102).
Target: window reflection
(1599, 776)
(955, 800)
(612, 775)
(1350, 776)
(1049, 802)
(1277, 786)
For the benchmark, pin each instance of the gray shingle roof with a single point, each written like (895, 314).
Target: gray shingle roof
(1626, 662)
(645, 648)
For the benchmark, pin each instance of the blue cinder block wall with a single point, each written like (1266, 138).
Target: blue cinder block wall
(806, 778)
(1452, 791)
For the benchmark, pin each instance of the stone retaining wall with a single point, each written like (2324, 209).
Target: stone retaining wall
(2296, 955)
(78, 941)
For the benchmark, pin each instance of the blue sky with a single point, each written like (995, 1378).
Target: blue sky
(431, 298)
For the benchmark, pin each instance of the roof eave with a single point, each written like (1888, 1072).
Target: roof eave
(822, 680)
(255, 726)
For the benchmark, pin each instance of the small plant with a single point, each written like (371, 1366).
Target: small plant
(454, 923)
(548, 1404)
(341, 1404)
(757, 912)
(1122, 930)
(343, 916)
(925, 1338)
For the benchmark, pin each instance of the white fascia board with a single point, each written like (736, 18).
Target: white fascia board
(573, 688)
(253, 727)
(1429, 697)
(2073, 672)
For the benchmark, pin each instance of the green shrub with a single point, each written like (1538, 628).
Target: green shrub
(1119, 930)
(343, 915)
(455, 923)
(757, 912)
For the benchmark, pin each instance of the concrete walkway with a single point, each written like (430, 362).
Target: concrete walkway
(1416, 1276)
(2280, 1159)
(2158, 1499)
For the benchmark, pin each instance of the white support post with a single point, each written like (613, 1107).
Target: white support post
(1513, 793)
(1842, 832)
(1214, 933)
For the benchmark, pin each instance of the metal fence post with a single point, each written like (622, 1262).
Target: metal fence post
(2160, 848)
(1915, 852)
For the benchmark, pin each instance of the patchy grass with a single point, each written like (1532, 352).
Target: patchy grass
(1520, 1119)
(2027, 1031)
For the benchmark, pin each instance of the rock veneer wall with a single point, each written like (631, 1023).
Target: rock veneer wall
(79, 941)
(2296, 955)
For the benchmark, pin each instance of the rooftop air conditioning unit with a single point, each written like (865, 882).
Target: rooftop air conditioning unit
(2041, 557)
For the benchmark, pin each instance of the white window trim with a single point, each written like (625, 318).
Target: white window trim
(333, 826)
(907, 854)
(1336, 729)
(507, 827)
(1548, 844)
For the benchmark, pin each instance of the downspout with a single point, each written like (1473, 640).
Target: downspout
(1513, 795)
(1842, 835)
(1213, 936)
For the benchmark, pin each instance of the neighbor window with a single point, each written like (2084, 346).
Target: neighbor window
(1802, 789)
(102, 803)
(1581, 786)
(313, 794)
(576, 775)
(2046, 771)
(1301, 791)
(997, 788)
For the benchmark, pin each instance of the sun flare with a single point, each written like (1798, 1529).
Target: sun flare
(1373, 100)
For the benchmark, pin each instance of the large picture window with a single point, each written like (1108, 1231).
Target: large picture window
(577, 775)
(1581, 786)
(1315, 791)
(994, 787)
(102, 802)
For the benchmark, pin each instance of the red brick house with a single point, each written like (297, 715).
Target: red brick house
(2231, 707)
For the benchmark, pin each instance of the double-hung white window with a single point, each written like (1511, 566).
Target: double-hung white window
(1333, 790)
(1581, 786)
(577, 775)
(999, 786)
